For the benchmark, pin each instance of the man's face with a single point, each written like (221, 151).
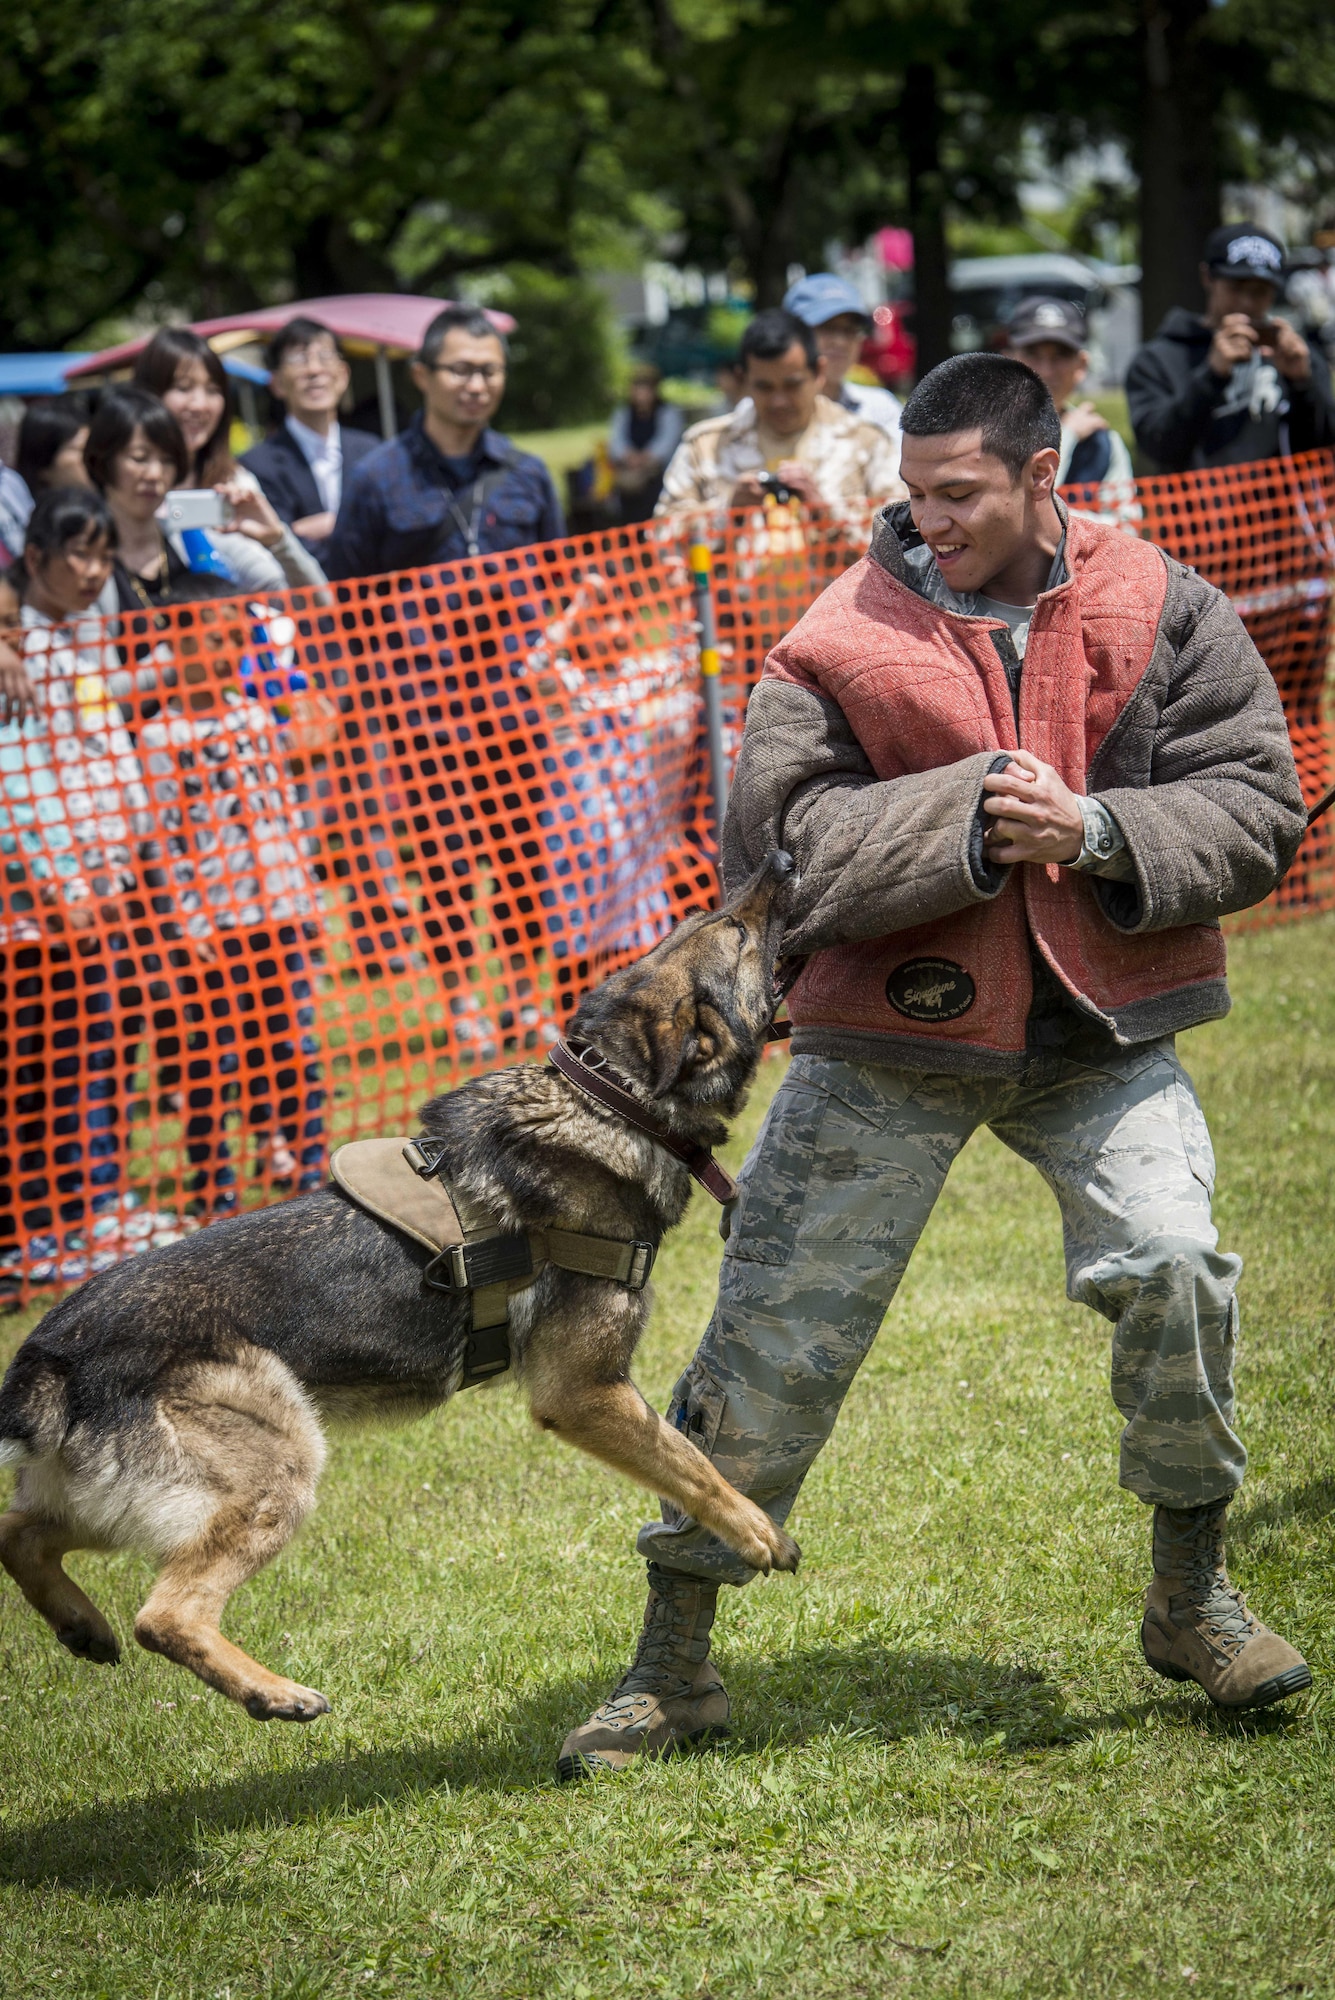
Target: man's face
(973, 516)
(466, 381)
(311, 380)
(1253, 297)
(840, 342)
(1060, 368)
(784, 391)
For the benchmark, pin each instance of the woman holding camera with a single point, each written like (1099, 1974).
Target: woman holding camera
(250, 546)
(135, 455)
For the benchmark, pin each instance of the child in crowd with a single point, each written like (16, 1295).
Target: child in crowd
(73, 810)
(72, 797)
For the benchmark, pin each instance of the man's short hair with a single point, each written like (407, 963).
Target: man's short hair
(456, 319)
(991, 393)
(772, 333)
(297, 333)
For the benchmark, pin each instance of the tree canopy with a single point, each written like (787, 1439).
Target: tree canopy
(204, 157)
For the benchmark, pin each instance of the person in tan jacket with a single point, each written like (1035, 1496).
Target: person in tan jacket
(785, 428)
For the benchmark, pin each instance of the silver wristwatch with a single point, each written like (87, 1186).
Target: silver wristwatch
(1103, 837)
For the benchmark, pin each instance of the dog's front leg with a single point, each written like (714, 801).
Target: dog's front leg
(612, 1421)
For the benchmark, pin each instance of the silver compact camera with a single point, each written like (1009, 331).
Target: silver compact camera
(193, 507)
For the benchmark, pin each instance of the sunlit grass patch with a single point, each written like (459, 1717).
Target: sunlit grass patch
(950, 1773)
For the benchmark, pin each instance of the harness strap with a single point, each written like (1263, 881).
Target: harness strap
(472, 1253)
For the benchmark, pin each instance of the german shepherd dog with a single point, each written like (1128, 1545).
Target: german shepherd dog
(176, 1403)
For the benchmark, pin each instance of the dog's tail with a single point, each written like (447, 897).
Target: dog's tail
(32, 1413)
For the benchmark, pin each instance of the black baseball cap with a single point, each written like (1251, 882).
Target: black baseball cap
(1241, 250)
(1035, 320)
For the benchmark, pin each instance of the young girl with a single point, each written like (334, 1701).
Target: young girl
(73, 810)
(72, 797)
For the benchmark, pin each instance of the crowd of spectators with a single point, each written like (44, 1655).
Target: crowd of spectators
(317, 500)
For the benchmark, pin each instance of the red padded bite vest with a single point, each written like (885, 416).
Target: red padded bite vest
(923, 687)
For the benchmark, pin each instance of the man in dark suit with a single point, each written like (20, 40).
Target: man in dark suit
(303, 466)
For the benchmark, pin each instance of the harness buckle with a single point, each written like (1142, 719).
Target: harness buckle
(641, 1264)
(467, 1267)
(425, 1156)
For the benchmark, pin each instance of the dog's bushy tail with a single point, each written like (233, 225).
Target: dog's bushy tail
(32, 1412)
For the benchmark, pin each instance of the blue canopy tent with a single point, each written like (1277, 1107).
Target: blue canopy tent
(35, 374)
(44, 374)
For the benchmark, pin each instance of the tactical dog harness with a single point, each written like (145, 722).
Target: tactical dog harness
(400, 1181)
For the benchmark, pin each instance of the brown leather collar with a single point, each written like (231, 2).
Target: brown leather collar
(590, 1072)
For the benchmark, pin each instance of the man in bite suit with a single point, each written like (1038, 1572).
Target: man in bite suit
(1024, 762)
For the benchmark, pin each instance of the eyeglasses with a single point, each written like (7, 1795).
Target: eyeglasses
(310, 361)
(464, 371)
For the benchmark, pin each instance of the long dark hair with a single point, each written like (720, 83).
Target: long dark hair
(62, 515)
(121, 412)
(156, 370)
(46, 429)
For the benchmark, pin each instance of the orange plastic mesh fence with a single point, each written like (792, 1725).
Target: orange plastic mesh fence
(276, 872)
(1264, 533)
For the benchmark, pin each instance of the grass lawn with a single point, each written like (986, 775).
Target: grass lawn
(562, 451)
(951, 1774)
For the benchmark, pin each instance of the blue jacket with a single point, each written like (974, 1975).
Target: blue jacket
(279, 463)
(405, 506)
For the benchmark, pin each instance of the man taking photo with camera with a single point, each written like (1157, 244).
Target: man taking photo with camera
(785, 436)
(1233, 384)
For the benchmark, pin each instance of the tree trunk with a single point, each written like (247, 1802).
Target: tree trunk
(327, 259)
(920, 136)
(1178, 154)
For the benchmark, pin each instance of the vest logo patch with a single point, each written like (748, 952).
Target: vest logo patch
(930, 989)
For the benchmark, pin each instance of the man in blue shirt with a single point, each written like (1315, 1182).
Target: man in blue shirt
(448, 486)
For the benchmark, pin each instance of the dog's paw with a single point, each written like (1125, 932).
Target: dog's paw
(765, 1546)
(285, 1701)
(91, 1642)
(787, 1555)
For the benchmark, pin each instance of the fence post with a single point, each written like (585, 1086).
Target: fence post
(702, 566)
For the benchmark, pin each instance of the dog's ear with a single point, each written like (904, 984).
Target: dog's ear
(673, 1047)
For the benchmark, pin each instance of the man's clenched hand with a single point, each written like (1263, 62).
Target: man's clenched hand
(1036, 817)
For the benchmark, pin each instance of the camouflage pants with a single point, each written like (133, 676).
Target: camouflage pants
(836, 1192)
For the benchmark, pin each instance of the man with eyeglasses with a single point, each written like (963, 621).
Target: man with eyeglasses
(302, 466)
(448, 486)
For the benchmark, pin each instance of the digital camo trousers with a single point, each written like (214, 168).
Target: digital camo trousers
(836, 1192)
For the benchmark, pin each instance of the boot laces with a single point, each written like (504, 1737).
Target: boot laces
(1189, 1550)
(670, 1646)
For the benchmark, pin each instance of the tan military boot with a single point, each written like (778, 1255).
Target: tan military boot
(670, 1696)
(1197, 1626)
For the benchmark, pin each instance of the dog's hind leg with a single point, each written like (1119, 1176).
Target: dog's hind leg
(612, 1421)
(183, 1611)
(31, 1549)
(245, 1449)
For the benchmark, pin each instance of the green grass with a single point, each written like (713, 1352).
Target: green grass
(1111, 403)
(562, 451)
(950, 1775)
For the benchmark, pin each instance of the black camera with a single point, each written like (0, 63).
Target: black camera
(770, 482)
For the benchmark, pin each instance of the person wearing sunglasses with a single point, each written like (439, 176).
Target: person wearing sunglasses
(449, 486)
